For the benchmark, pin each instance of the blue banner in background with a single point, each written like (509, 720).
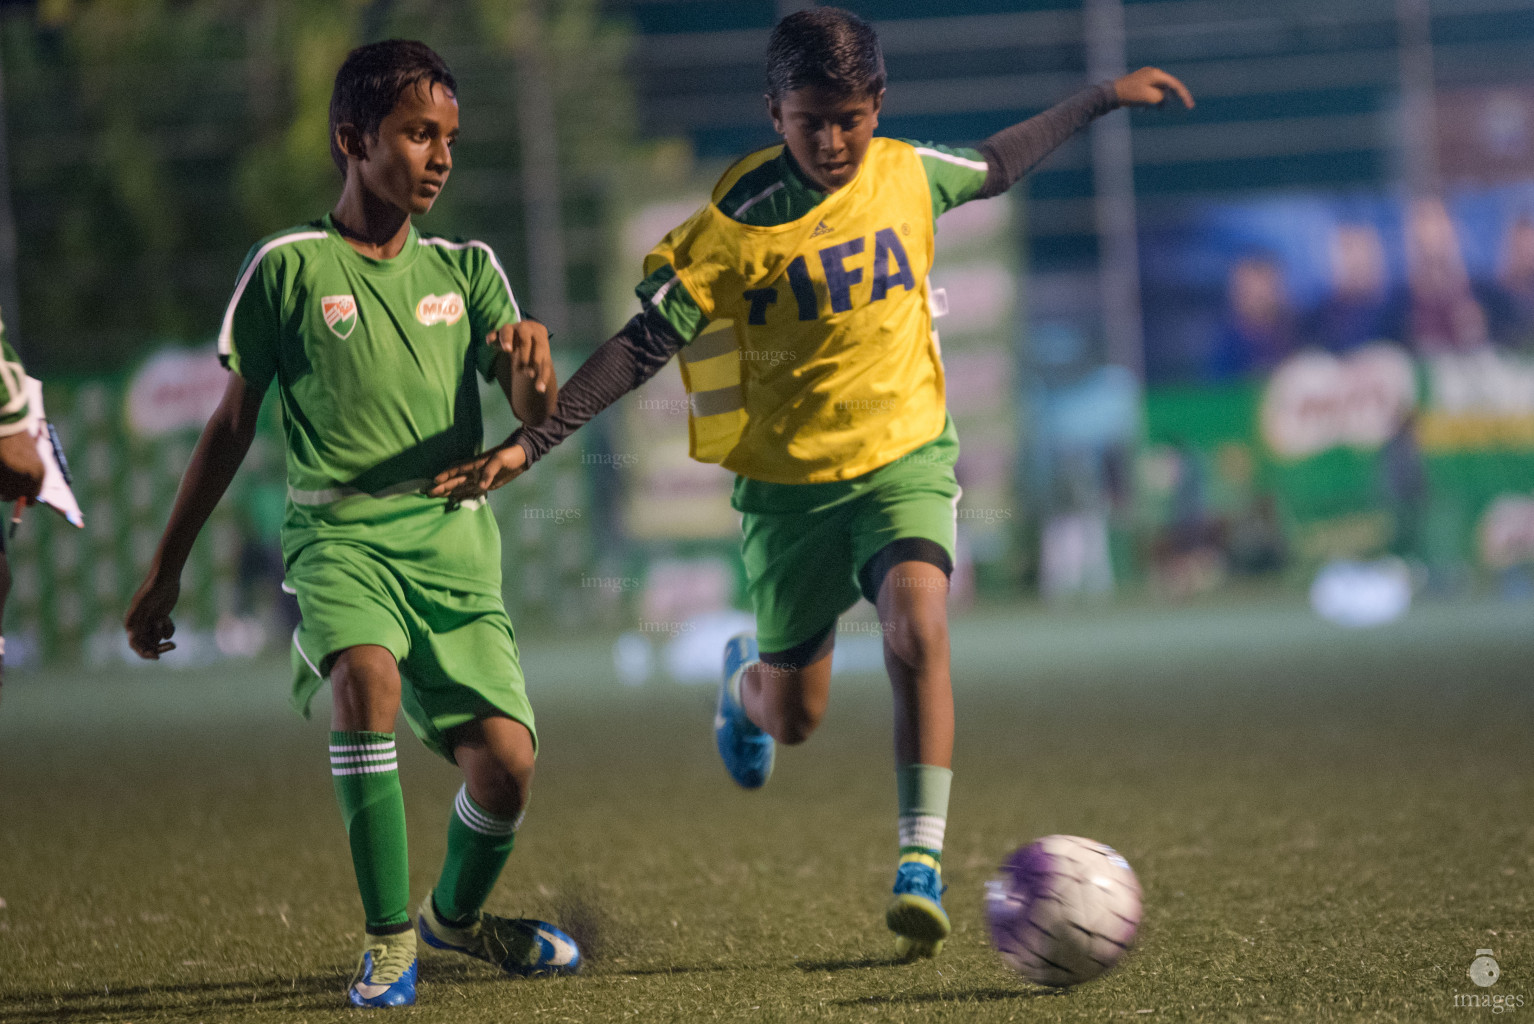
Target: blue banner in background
(1231, 289)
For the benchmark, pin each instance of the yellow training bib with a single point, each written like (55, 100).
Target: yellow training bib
(819, 362)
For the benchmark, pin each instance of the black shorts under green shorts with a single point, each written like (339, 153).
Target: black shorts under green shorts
(456, 650)
(804, 545)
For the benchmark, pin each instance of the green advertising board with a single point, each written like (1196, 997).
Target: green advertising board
(1353, 456)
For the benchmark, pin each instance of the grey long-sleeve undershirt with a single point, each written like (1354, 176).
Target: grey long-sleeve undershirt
(625, 361)
(1013, 152)
(647, 342)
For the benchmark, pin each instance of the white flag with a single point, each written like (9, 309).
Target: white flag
(56, 493)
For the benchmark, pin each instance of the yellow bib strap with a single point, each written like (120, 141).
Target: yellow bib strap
(716, 400)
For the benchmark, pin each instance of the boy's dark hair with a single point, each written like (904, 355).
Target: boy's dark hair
(370, 82)
(826, 47)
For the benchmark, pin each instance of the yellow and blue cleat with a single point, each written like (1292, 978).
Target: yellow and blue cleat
(746, 749)
(386, 973)
(916, 913)
(517, 945)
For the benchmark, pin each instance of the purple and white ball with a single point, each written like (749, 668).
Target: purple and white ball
(1063, 910)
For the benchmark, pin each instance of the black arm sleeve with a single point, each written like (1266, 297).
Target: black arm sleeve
(1013, 152)
(625, 361)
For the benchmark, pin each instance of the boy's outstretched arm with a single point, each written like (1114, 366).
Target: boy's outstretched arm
(625, 361)
(1013, 152)
(223, 445)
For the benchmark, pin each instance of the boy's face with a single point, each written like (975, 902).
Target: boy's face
(407, 165)
(828, 134)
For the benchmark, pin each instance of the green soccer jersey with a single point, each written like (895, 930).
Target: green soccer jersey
(14, 408)
(374, 362)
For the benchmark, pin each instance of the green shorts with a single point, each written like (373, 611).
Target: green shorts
(457, 654)
(806, 546)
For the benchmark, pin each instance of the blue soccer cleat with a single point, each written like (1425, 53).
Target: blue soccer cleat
(916, 913)
(517, 945)
(746, 749)
(386, 973)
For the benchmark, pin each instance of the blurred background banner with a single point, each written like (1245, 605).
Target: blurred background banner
(1293, 325)
(1339, 376)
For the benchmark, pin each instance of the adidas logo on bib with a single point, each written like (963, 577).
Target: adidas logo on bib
(821, 229)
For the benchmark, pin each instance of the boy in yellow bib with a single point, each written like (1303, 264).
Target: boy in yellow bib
(798, 298)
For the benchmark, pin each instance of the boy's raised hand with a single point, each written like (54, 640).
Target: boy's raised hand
(527, 373)
(1150, 87)
(484, 473)
(148, 619)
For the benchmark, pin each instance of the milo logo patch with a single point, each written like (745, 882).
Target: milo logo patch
(440, 309)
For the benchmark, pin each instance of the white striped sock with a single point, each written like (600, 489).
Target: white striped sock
(363, 758)
(486, 824)
(923, 830)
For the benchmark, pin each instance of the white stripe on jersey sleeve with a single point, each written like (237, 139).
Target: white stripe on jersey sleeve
(226, 332)
(763, 194)
(660, 293)
(472, 243)
(974, 165)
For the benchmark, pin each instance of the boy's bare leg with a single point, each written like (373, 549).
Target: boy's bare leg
(787, 701)
(913, 609)
(364, 689)
(496, 757)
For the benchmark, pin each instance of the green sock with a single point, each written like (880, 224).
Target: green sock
(923, 790)
(365, 771)
(478, 844)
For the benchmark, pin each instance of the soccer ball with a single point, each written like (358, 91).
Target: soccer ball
(1063, 910)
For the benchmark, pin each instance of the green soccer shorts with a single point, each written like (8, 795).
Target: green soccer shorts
(806, 546)
(456, 651)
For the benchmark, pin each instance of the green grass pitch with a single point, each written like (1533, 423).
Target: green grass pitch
(1327, 826)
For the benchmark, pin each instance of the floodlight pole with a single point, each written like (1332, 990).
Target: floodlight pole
(541, 193)
(8, 261)
(1113, 180)
(1419, 113)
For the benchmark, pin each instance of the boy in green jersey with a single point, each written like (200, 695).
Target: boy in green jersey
(825, 395)
(373, 334)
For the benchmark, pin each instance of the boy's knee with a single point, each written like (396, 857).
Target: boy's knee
(798, 715)
(500, 787)
(365, 688)
(792, 698)
(917, 639)
(497, 757)
(796, 723)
